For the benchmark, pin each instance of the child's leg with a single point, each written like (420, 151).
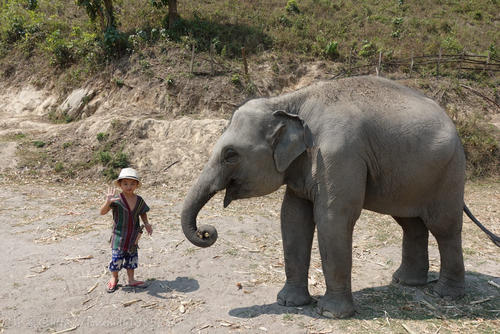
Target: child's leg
(114, 277)
(114, 267)
(130, 264)
(130, 274)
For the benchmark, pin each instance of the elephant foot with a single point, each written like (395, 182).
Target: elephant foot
(410, 277)
(447, 288)
(292, 295)
(336, 306)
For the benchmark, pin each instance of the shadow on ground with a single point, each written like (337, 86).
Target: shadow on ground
(157, 288)
(395, 301)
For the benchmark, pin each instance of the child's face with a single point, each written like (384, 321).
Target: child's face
(128, 186)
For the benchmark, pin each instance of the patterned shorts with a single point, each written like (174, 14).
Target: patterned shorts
(122, 259)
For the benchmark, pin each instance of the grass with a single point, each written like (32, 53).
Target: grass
(324, 29)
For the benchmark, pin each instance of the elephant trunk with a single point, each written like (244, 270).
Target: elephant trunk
(199, 194)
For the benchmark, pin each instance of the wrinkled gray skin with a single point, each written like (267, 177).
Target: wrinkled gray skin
(340, 147)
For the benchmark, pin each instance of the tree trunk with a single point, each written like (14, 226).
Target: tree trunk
(172, 13)
(110, 18)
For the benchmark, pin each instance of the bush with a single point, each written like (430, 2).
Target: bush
(235, 79)
(115, 43)
(17, 23)
(59, 48)
(58, 167)
(451, 44)
(331, 50)
(111, 161)
(39, 143)
(120, 160)
(480, 145)
(292, 7)
(104, 157)
(368, 49)
(102, 136)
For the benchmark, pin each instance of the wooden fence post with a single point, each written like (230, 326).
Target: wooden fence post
(245, 64)
(211, 53)
(460, 64)
(192, 59)
(487, 62)
(439, 61)
(350, 65)
(411, 64)
(379, 67)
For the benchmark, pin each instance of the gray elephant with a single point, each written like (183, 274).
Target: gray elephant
(339, 147)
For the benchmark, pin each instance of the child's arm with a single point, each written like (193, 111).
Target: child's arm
(110, 198)
(148, 226)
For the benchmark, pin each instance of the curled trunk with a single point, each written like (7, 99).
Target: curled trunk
(199, 194)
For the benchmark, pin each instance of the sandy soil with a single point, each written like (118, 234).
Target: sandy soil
(55, 255)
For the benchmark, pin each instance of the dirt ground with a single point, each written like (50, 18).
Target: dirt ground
(55, 255)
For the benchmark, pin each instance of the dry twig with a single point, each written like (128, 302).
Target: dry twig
(408, 329)
(79, 258)
(130, 302)
(494, 284)
(66, 330)
(92, 288)
(480, 301)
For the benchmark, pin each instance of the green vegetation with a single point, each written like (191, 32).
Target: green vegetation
(67, 32)
(110, 157)
(39, 143)
(101, 136)
(59, 167)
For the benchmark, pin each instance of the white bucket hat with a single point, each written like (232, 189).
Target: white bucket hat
(128, 173)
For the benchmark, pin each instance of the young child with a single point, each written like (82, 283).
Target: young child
(127, 208)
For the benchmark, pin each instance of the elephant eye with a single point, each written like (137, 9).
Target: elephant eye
(230, 156)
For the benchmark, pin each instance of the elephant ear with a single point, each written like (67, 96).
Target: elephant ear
(289, 139)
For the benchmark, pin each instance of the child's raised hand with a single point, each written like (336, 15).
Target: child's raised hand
(111, 195)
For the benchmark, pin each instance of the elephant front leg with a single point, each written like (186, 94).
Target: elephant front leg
(335, 245)
(297, 230)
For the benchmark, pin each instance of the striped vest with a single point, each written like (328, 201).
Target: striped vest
(126, 222)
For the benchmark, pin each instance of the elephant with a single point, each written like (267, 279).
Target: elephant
(341, 146)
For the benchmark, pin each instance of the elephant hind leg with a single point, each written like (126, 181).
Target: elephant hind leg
(415, 258)
(447, 230)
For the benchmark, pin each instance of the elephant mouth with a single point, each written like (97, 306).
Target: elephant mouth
(232, 190)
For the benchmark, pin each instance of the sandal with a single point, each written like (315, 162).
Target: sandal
(112, 287)
(138, 284)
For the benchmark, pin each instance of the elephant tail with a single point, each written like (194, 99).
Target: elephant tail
(491, 235)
